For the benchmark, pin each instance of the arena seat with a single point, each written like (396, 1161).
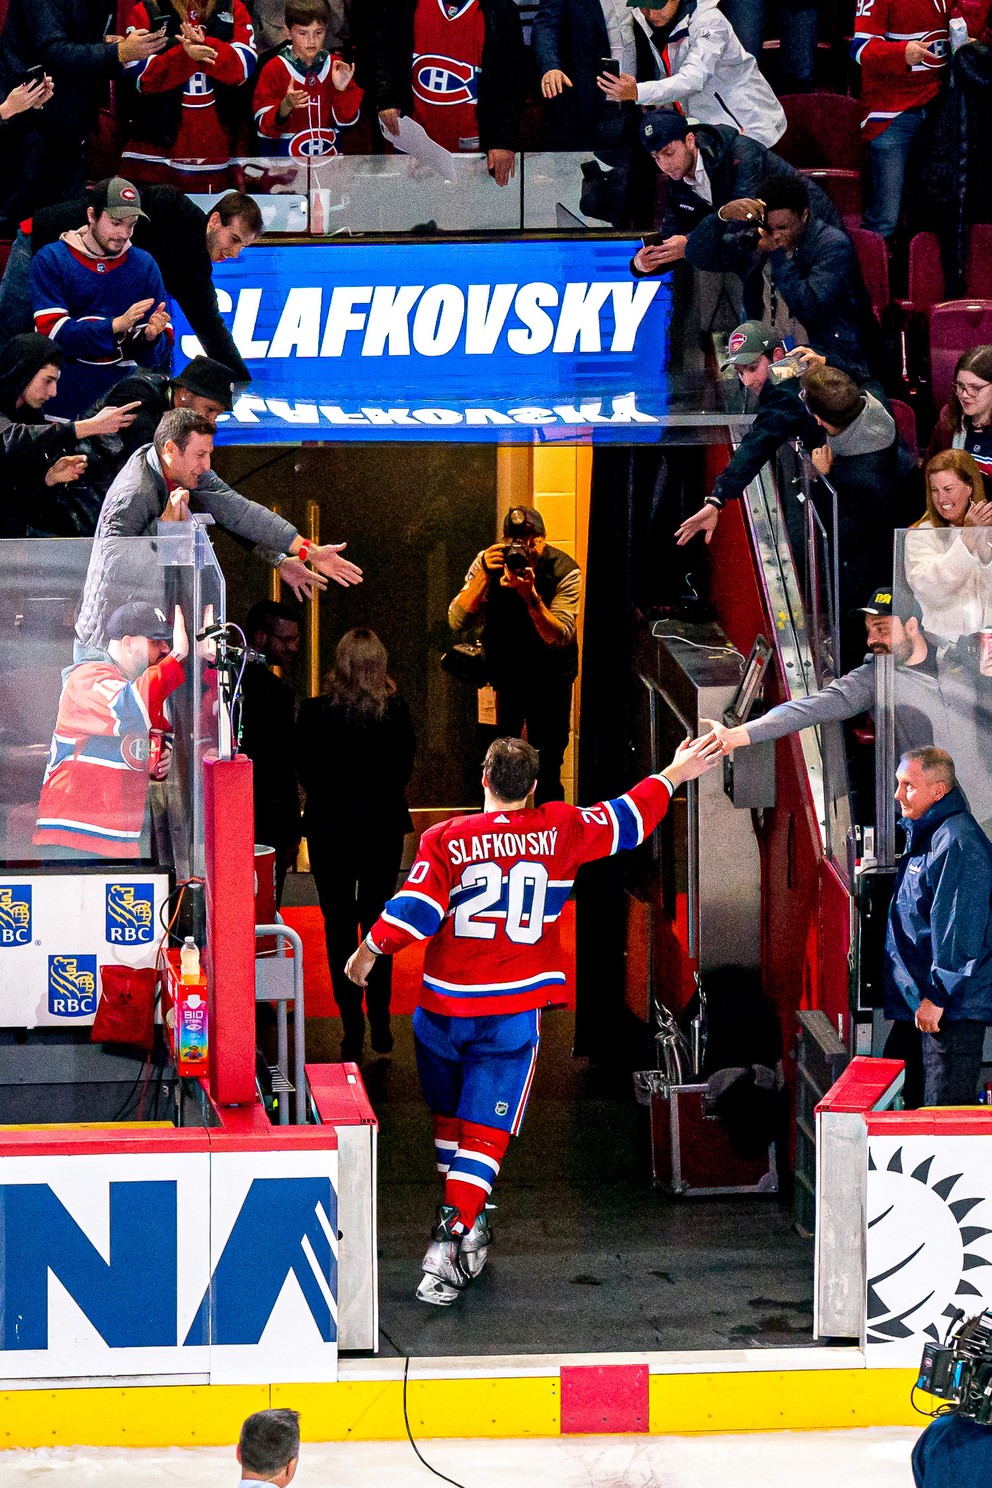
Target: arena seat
(842, 186)
(978, 265)
(873, 256)
(824, 129)
(905, 425)
(955, 327)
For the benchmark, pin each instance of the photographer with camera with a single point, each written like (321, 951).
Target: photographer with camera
(526, 595)
(956, 1448)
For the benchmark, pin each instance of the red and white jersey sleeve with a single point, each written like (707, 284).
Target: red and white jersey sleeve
(889, 86)
(487, 891)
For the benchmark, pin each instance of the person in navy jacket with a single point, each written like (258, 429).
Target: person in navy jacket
(938, 944)
(953, 1450)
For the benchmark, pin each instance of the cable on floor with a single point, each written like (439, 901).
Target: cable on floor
(406, 1418)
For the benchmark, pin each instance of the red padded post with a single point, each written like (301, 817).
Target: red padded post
(229, 825)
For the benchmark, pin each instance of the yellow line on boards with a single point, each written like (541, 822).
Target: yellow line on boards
(372, 1410)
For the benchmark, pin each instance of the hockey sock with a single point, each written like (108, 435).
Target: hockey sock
(473, 1169)
(446, 1132)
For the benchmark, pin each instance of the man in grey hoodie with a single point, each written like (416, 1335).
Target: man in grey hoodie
(876, 480)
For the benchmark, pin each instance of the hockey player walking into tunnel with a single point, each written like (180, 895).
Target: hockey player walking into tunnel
(486, 891)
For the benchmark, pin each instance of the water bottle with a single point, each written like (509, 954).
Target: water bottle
(189, 961)
(958, 28)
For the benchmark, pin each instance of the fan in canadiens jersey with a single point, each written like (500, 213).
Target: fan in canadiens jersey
(95, 788)
(486, 891)
(304, 93)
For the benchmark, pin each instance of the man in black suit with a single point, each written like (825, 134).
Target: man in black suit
(268, 732)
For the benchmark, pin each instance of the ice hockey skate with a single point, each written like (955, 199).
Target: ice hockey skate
(444, 1276)
(475, 1244)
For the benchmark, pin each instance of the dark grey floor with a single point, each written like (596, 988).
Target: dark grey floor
(588, 1255)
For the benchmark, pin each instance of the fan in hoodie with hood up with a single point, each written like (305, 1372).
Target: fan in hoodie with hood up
(702, 69)
(40, 464)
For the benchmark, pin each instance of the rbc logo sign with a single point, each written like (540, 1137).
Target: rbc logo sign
(15, 915)
(438, 79)
(72, 986)
(130, 914)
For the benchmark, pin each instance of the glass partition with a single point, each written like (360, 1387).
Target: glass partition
(400, 193)
(941, 687)
(108, 704)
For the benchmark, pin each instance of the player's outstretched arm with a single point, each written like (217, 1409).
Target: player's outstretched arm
(693, 758)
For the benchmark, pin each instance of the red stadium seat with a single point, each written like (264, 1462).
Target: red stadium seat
(926, 272)
(842, 186)
(905, 425)
(873, 256)
(824, 129)
(978, 266)
(955, 327)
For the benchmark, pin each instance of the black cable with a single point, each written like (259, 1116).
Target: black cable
(406, 1418)
(132, 1092)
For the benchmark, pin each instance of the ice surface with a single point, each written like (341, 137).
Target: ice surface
(875, 1458)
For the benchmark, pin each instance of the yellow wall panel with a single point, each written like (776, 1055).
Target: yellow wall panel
(132, 1416)
(800, 1400)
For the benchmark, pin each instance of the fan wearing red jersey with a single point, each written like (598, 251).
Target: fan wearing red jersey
(486, 891)
(95, 788)
(305, 94)
(903, 48)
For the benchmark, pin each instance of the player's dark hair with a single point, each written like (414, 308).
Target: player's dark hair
(270, 1440)
(237, 207)
(511, 767)
(262, 616)
(178, 426)
(785, 194)
(305, 12)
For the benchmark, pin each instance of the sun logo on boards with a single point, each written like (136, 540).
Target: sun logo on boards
(926, 1254)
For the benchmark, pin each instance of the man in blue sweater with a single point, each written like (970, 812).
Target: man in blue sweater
(938, 944)
(101, 300)
(953, 1452)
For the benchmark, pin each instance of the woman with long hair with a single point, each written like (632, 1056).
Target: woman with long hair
(188, 104)
(355, 749)
(949, 552)
(965, 420)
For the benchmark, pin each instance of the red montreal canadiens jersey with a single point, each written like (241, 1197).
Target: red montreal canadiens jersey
(487, 891)
(889, 86)
(202, 136)
(96, 783)
(448, 37)
(311, 131)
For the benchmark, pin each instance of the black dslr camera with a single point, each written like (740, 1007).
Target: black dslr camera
(516, 556)
(959, 1370)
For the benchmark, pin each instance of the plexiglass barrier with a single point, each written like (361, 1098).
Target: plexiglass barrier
(108, 703)
(941, 666)
(400, 193)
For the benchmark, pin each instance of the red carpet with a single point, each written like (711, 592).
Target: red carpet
(407, 968)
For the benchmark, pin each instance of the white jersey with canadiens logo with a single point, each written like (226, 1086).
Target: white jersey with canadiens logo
(487, 892)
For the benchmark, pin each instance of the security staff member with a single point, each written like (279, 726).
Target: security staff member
(526, 595)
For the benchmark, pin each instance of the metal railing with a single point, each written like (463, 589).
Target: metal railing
(279, 979)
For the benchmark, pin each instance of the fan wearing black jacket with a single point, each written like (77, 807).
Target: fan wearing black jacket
(500, 82)
(710, 166)
(780, 414)
(41, 462)
(183, 240)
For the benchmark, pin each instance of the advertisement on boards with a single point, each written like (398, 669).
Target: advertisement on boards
(497, 341)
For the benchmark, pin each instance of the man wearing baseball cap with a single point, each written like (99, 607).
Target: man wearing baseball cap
(753, 350)
(526, 595)
(713, 168)
(95, 790)
(205, 386)
(930, 708)
(99, 299)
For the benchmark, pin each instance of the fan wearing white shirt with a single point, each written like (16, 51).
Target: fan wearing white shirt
(701, 69)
